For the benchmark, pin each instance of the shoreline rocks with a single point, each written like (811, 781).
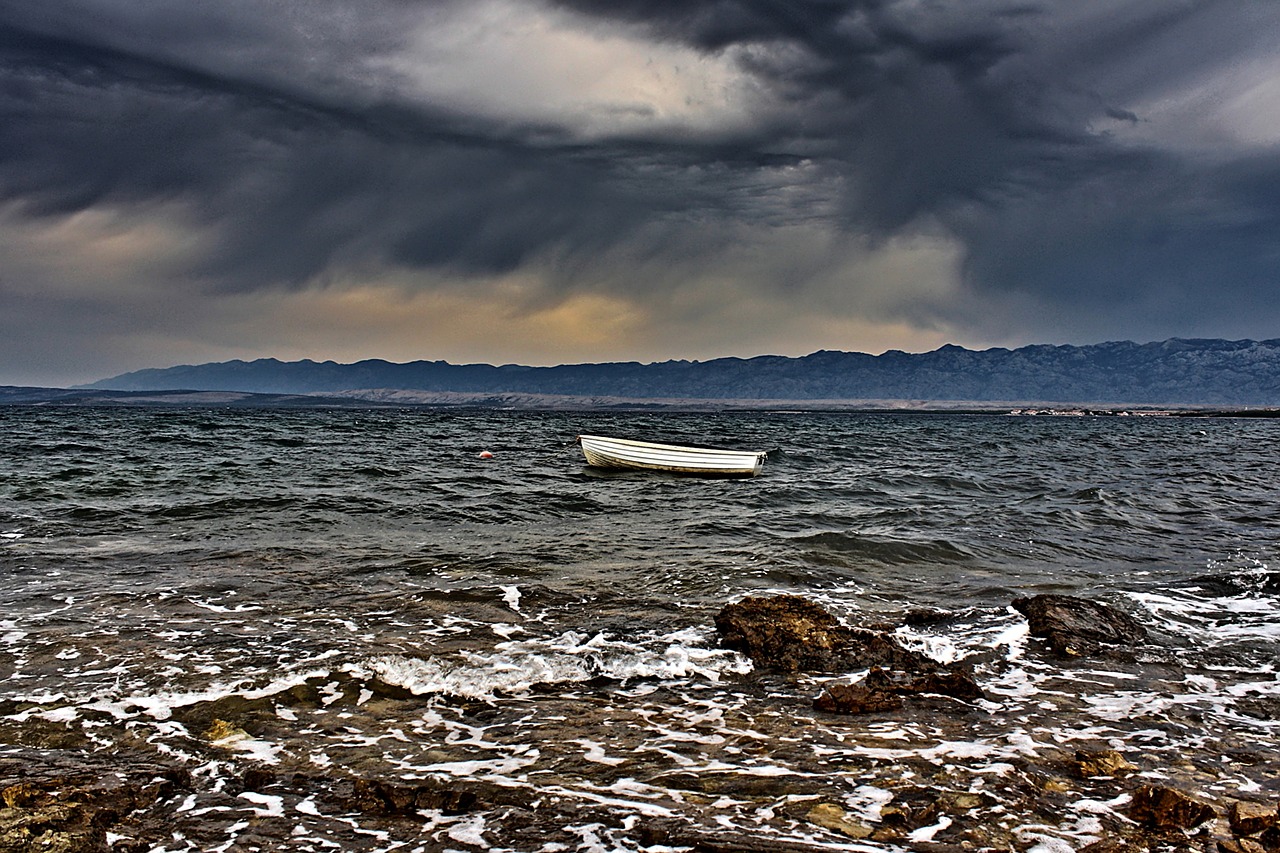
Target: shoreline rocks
(1075, 627)
(69, 805)
(788, 633)
(914, 799)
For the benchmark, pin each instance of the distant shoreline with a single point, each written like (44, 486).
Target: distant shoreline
(405, 399)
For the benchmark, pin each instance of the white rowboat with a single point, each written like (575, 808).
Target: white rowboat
(647, 456)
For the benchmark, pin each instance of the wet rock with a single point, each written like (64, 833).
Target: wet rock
(1078, 626)
(375, 797)
(24, 795)
(963, 802)
(832, 817)
(1259, 707)
(1240, 845)
(1158, 807)
(1236, 584)
(221, 732)
(65, 806)
(913, 806)
(952, 683)
(1252, 818)
(56, 829)
(1104, 762)
(394, 798)
(923, 617)
(729, 784)
(882, 690)
(957, 685)
(856, 699)
(792, 634)
(672, 833)
(254, 779)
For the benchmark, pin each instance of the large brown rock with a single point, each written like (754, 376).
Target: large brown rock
(1252, 818)
(792, 634)
(1158, 807)
(1078, 626)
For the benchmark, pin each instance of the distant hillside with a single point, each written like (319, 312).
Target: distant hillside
(1170, 373)
(17, 395)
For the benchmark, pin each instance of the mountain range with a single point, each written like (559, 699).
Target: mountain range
(1175, 372)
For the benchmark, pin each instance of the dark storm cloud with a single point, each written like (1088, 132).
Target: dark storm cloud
(290, 180)
(999, 125)
(297, 174)
(717, 24)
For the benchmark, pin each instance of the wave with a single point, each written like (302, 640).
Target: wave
(571, 657)
(848, 549)
(1257, 581)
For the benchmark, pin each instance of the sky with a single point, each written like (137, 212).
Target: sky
(563, 181)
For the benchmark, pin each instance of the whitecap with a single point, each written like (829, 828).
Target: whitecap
(943, 650)
(218, 608)
(634, 806)
(1048, 843)
(469, 831)
(160, 705)
(271, 806)
(571, 657)
(482, 768)
(867, 801)
(59, 715)
(594, 751)
(511, 597)
(308, 806)
(926, 833)
(1101, 806)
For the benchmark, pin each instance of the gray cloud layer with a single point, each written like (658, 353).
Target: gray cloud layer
(1096, 169)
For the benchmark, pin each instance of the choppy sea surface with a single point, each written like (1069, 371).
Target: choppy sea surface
(328, 596)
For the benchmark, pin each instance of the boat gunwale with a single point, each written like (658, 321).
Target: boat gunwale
(683, 448)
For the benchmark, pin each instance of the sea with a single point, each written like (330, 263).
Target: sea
(287, 604)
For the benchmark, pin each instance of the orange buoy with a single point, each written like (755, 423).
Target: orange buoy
(484, 454)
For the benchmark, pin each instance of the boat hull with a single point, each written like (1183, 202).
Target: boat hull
(624, 453)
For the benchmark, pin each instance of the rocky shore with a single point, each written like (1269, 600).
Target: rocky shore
(63, 792)
(787, 633)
